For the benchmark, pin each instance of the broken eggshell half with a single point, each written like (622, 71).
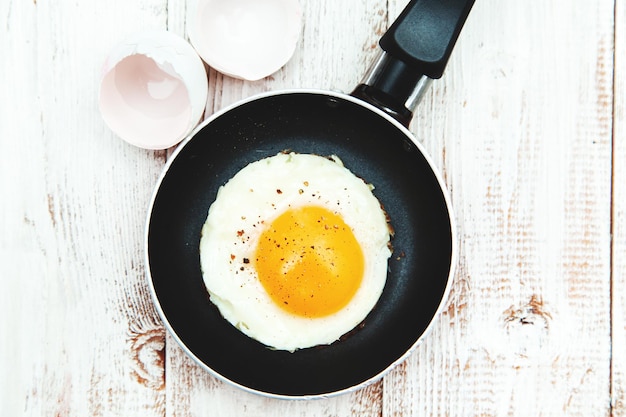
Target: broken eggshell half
(246, 39)
(153, 89)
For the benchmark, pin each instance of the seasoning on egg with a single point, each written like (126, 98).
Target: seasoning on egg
(317, 263)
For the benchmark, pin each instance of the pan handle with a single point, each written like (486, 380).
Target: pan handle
(415, 50)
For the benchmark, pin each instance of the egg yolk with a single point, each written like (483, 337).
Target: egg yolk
(309, 261)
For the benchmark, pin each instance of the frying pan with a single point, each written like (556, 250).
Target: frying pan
(368, 130)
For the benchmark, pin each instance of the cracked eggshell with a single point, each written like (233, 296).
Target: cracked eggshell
(246, 39)
(153, 89)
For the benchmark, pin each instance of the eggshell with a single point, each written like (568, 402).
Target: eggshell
(153, 89)
(247, 39)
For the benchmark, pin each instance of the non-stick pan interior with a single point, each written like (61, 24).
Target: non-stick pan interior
(371, 147)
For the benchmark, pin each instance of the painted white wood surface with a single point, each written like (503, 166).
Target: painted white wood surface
(528, 127)
(619, 218)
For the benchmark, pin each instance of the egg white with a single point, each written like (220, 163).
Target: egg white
(255, 196)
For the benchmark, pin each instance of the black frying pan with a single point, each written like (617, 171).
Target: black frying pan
(367, 130)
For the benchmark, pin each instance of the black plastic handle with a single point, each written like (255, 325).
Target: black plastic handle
(425, 33)
(415, 49)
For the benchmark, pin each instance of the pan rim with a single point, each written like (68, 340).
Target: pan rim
(451, 270)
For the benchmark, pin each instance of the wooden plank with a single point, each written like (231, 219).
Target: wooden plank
(82, 337)
(521, 128)
(333, 53)
(618, 394)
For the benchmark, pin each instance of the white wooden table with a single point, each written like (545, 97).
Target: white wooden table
(528, 127)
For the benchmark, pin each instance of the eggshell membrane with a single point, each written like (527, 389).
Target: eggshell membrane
(246, 39)
(153, 89)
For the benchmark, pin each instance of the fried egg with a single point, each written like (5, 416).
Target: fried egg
(294, 250)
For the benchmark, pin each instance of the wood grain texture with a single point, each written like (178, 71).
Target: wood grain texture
(618, 392)
(527, 126)
(79, 335)
(333, 53)
(521, 128)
